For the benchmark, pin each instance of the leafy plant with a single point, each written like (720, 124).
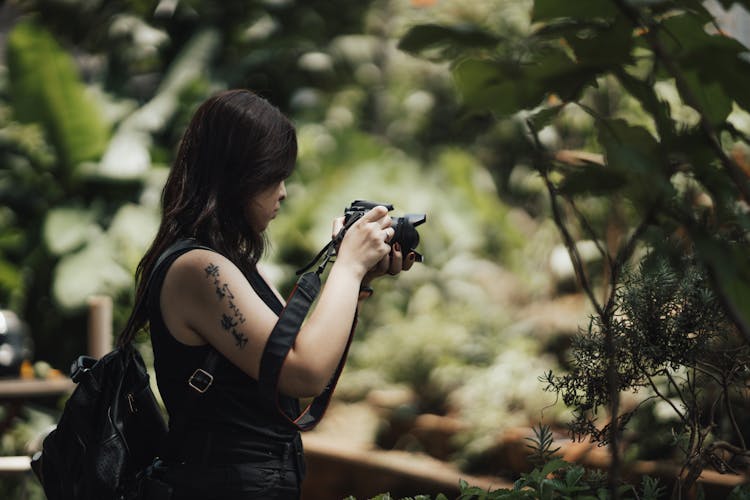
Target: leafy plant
(672, 340)
(387, 496)
(72, 120)
(662, 178)
(541, 445)
(557, 478)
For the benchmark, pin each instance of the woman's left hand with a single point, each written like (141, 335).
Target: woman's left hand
(392, 264)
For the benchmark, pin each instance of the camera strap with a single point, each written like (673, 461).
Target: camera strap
(280, 343)
(329, 250)
(287, 328)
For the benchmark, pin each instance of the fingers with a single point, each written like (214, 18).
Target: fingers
(409, 261)
(391, 264)
(396, 261)
(378, 214)
(378, 223)
(338, 224)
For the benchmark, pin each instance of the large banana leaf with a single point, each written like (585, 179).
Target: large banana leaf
(45, 88)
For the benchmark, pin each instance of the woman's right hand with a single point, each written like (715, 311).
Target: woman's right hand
(365, 243)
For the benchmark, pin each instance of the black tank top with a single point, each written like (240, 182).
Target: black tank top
(231, 422)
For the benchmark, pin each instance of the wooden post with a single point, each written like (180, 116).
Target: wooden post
(100, 325)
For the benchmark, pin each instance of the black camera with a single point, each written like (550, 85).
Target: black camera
(405, 233)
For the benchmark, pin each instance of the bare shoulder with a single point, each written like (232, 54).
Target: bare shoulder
(199, 268)
(200, 280)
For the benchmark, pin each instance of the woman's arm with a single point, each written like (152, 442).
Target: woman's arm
(205, 298)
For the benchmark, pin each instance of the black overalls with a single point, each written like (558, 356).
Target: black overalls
(236, 444)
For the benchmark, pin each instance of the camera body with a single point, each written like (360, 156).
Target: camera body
(405, 234)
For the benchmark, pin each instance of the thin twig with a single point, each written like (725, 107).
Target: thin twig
(665, 399)
(732, 418)
(557, 216)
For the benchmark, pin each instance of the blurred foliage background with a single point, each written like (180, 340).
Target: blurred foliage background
(94, 96)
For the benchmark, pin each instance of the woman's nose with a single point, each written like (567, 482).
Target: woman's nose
(282, 191)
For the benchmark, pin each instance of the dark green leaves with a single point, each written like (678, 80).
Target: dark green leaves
(495, 86)
(587, 43)
(730, 269)
(428, 36)
(507, 87)
(545, 10)
(714, 66)
(634, 167)
(629, 148)
(591, 179)
(632, 152)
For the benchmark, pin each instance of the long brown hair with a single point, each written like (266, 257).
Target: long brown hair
(236, 145)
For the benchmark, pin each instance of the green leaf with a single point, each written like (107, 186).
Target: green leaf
(633, 153)
(714, 61)
(741, 492)
(132, 230)
(66, 229)
(545, 10)
(696, 152)
(506, 88)
(427, 36)
(622, 489)
(551, 488)
(552, 466)
(574, 475)
(591, 179)
(556, 73)
(651, 488)
(46, 88)
(723, 64)
(710, 95)
(679, 35)
(629, 148)
(493, 86)
(587, 40)
(657, 108)
(90, 271)
(10, 276)
(730, 268)
(544, 116)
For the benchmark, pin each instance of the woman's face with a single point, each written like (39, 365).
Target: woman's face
(263, 207)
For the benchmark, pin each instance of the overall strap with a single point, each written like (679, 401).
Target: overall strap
(281, 341)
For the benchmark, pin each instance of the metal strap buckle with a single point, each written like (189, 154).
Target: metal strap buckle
(200, 380)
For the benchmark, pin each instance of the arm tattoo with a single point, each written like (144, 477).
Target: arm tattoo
(229, 322)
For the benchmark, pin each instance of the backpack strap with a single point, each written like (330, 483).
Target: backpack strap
(265, 293)
(202, 378)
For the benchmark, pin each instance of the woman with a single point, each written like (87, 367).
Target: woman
(225, 187)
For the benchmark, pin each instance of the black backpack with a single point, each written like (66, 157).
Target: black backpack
(110, 431)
